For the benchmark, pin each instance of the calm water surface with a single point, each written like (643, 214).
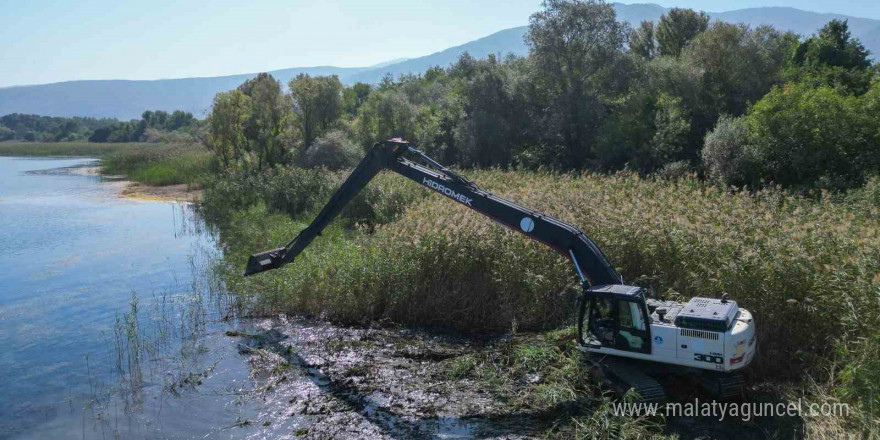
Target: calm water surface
(73, 255)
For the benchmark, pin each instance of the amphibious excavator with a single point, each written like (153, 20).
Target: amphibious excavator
(628, 335)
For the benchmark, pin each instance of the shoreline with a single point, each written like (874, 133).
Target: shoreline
(183, 193)
(128, 189)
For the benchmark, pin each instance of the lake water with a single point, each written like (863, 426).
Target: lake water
(76, 359)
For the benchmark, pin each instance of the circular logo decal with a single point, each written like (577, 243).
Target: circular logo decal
(658, 339)
(527, 224)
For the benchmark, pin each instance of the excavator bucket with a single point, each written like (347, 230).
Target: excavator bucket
(264, 261)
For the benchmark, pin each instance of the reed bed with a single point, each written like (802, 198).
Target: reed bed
(148, 163)
(161, 164)
(808, 268)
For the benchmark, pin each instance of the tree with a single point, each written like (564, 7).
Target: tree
(833, 58)
(641, 40)
(269, 107)
(677, 28)
(354, 97)
(317, 103)
(64, 131)
(147, 115)
(739, 65)
(577, 50)
(672, 129)
(833, 47)
(158, 119)
(484, 134)
(625, 137)
(225, 136)
(100, 134)
(6, 134)
(180, 119)
(386, 114)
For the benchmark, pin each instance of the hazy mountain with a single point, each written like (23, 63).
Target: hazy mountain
(806, 23)
(635, 13)
(503, 42)
(388, 63)
(127, 99)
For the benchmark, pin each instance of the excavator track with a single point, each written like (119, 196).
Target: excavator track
(722, 386)
(624, 374)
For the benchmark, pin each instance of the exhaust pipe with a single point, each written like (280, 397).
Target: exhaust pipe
(264, 261)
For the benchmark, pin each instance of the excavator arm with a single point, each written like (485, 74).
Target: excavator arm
(590, 263)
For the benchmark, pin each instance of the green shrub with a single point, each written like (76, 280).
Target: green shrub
(726, 153)
(332, 151)
(289, 190)
(675, 170)
(813, 138)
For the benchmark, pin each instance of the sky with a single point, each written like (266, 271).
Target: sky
(51, 40)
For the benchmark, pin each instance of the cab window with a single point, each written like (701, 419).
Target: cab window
(602, 321)
(625, 315)
(631, 326)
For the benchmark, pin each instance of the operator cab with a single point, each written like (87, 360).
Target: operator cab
(704, 333)
(615, 316)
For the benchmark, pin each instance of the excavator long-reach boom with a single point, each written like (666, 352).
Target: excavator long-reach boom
(708, 335)
(590, 263)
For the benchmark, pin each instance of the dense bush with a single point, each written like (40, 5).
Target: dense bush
(727, 153)
(814, 137)
(154, 126)
(287, 190)
(592, 95)
(332, 151)
(800, 137)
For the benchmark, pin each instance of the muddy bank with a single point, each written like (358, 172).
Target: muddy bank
(346, 383)
(321, 381)
(170, 193)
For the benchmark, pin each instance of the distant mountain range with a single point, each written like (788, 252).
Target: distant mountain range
(125, 99)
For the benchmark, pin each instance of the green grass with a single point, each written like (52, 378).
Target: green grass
(166, 165)
(148, 163)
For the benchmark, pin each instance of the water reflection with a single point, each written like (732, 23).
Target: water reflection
(111, 319)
